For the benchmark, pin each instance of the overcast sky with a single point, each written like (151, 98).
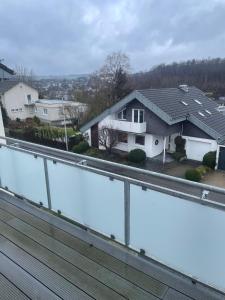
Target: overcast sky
(74, 36)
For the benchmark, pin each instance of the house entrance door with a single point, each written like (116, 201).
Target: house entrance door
(94, 135)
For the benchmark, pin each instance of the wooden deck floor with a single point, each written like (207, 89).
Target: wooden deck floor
(44, 257)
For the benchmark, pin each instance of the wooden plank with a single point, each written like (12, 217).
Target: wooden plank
(102, 274)
(129, 273)
(24, 281)
(37, 270)
(74, 275)
(8, 291)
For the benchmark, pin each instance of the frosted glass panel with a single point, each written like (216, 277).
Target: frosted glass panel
(185, 235)
(23, 174)
(88, 198)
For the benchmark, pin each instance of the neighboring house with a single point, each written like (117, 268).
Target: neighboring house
(151, 119)
(5, 72)
(55, 111)
(18, 99)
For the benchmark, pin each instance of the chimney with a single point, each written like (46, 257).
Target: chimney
(184, 87)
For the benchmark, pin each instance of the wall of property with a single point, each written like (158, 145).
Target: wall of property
(15, 99)
(53, 112)
(2, 129)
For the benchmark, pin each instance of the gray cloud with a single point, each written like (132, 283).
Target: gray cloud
(71, 36)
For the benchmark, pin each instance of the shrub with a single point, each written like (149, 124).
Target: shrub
(36, 120)
(209, 159)
(81, 147)
(193, 175)
(75, 139)
(178, 155)
(202, 170)
(94, 152)
(136, 156)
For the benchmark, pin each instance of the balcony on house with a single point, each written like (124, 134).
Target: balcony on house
(129, 126)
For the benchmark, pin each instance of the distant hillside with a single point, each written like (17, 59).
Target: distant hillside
(61, 77)
(208, 75)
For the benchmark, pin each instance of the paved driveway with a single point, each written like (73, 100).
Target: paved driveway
(216, 178)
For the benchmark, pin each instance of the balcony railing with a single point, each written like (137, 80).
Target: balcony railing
(129, 126)
(183, 231)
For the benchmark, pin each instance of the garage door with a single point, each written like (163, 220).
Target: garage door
(197, 149)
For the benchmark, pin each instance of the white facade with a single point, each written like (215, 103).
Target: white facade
(196, 148)
(153, 144)
(19, 100)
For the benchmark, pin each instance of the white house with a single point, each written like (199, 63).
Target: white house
(18, 98)
(151, 119)
(55, 111)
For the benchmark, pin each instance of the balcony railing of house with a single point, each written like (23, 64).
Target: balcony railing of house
(129, 126)
(180, 230)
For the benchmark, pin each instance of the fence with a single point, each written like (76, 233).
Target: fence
(183, 232)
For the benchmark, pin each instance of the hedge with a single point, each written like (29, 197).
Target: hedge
(137, 156)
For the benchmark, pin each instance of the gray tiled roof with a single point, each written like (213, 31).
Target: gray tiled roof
(204, 115)
(167, 104)
(6, 85)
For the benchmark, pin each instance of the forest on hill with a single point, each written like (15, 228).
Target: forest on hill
(207, 74)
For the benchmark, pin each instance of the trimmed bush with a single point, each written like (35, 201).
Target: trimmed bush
(193, 175)
(209, 159)
(137, 156)
(178, 155)
(203, 170)
(81, 147)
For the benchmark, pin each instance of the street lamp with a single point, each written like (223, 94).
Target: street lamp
(64, 117)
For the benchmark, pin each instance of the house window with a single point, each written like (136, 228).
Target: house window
(45, 111)
(122, 115)
(122, 137)
(138, 115)
(29, 98)
(140, 140)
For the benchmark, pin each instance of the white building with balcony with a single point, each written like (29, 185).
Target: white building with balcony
(151, 119)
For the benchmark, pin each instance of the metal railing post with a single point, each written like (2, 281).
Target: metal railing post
(127, 212)
(47, 183)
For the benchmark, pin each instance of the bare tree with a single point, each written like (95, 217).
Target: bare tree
(24, 75)
(108, 137)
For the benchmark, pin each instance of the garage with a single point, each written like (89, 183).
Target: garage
(197, 148)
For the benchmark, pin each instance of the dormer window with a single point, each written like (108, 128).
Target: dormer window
(122, 115)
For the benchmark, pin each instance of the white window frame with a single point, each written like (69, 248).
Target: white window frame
(139, 110)
(45, 111)
(122, 113)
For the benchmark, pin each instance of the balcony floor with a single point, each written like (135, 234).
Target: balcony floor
(44, 257)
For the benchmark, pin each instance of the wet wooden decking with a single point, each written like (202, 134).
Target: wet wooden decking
(44, 257)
